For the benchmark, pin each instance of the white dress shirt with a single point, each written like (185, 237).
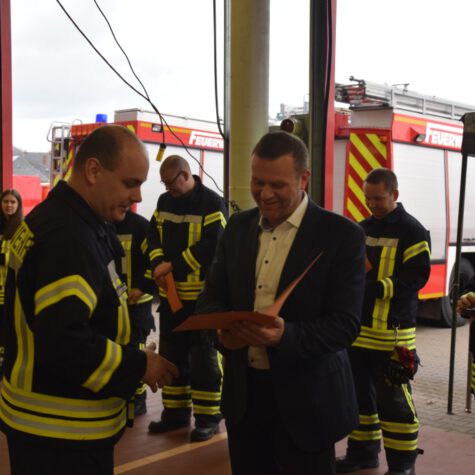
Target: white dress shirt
(274, 246)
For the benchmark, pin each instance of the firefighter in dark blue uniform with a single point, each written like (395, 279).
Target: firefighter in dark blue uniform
(466, 307)
(69, 370)
(135, 265)
(383, 357)
(182, 239)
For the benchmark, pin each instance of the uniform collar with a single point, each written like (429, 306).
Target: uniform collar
(393, 216)
(62, 191)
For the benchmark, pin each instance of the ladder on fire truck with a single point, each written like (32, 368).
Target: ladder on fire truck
(365, 94)
(59, 136)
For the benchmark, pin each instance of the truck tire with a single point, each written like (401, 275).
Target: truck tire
(466, 272)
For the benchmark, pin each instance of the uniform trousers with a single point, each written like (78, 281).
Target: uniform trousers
(384, 409)
(260, 444)
(32, 459)
(197, 359)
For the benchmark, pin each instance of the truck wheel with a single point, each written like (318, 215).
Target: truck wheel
(466, 272)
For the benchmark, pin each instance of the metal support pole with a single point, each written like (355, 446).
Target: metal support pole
(468, 394)
(456, 287)
(249, 91)
(468, 148)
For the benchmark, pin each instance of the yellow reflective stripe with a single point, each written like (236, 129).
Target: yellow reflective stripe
(144, 298)
(405, 445)
(155, 253)
(206, 395)
(400, 427)
(209, 410)
(176, 403)
(143, 246)
(190, 285)
(102, 375)
(189, 296)
(369, 419)
(22, 371)
(388, 285)
(382, 242)
(21, 241)
(365, 435)
(176, 390)
(126, 241)
(414, 250)
(179, 218)
(213, 217)
(385, 340)
(61, 406)
(190, 260)
(73, 285)
(408, 396)
(71, 429)
(148, 274)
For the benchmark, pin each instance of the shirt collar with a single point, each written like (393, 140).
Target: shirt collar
(295, 219)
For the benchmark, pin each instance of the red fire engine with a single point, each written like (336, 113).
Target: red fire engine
(419, 138)
(197, 140)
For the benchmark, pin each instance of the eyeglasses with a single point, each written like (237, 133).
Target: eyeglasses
(167, 184)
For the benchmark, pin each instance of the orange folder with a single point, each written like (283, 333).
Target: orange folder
(368, 265)
(172, 295)
(223, 320)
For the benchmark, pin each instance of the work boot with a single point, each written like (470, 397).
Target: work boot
(167, 425)
(203, 432)
(406, 471)
(347, 464)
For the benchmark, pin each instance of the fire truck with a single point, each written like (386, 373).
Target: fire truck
(418, 137)
(196, 140)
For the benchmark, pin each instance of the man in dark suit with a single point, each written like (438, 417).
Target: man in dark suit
(288, 391)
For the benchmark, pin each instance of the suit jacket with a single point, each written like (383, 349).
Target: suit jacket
(310, 369)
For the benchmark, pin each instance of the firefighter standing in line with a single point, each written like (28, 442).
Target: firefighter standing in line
(183, 235)
(69, 370)
(398, 266)
(466, 307)
(132, 234)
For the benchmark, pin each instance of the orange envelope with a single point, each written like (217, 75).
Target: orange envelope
(223, 320)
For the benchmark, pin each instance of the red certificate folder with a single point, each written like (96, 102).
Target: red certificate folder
(223, 320)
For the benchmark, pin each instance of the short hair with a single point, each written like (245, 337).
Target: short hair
(104, 143)
(274, 145)
(176, 163)
(385, 176)
(11, 224)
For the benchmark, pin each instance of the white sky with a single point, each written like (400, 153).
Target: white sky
(57, 76)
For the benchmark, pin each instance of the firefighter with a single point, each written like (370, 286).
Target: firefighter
(69, 370)
(384, 355)
(132, 234)
(11, 214)
(182, 239)
(466, 307)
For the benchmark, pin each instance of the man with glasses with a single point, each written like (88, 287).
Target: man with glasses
(182, 239)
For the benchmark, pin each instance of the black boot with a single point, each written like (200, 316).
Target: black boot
(203, 432)
(348, 464)
(406, 471)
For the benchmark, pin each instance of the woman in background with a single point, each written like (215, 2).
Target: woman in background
(11, 216)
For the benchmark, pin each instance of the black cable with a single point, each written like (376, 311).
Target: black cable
(139, 93)
(130, 65)
(216, 101)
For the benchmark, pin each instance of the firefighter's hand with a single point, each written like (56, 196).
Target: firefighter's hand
(466, 301)
(134, 295)
(159, 371)
(161, 271)
(259, 335)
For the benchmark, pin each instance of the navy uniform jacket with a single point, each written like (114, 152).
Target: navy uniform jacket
(310, 368)
(68, 367)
